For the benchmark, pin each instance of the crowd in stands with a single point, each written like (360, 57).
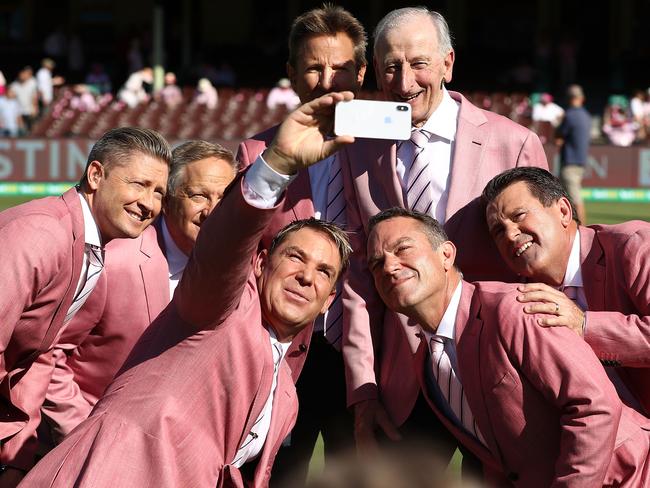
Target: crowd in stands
(44, 105)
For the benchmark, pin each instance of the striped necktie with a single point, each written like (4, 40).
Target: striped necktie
(335, 212)
(418, 189)
(451, 387)
(94, 257)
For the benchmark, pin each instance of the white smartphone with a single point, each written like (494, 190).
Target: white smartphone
(373, 119)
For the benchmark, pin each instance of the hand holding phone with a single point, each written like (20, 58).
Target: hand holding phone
(373, 119)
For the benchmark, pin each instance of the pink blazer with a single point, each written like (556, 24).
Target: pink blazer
(133, 290)
(298, 204)
(547, 410)
(615, 265)
(41, 254)
(194, 384)
(486, 144)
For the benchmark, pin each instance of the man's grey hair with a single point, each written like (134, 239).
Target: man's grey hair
(116, 146)
(190, 152)
(397, 17)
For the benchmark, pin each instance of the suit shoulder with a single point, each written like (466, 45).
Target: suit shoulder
(252, 147)
(505, 124)
(623, 231)
(500, 309)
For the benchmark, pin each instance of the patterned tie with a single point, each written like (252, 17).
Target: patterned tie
(418, 188)
(451, 387)
(95, 264)
(335, 212)
(247, 451)
(572, 293)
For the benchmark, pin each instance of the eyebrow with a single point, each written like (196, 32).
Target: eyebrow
(304, 256)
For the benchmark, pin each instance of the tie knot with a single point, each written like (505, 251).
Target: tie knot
(419, 137)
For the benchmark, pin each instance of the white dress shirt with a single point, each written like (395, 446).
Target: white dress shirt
(91, 236)
(176, 259)
(439, 151)
(254, 441)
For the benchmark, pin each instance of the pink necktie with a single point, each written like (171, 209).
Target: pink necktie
(451, 387)
(418, 190)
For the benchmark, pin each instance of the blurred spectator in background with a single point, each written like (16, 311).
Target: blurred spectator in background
(170, 94)
(46, 83)
(618, 124)
(3, 84)
(206, 94)
(640, 108)
(83, 99)
(97, 79)
(547, 111)
(283, 94)
(26, 92)
(574, 137)
(133, 92)
(11, 121)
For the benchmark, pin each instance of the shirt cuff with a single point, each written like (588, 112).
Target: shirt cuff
(263, 186)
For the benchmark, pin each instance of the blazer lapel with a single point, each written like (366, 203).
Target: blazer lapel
(468, 153)
(152, 274)
(592, 265)
(283, 415)
(71, 199)
(387, 170)
(468, 352)
(421, 359)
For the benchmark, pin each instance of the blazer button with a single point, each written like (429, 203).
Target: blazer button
(302, 348)
(513, 476)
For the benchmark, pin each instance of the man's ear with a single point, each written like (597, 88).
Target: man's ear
(330, 299)
(566, 211)
(361, 73)
(260, 262)
(448, 250)
(94, 174)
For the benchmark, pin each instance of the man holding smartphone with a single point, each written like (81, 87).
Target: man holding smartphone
(326, 53)
(455, 148)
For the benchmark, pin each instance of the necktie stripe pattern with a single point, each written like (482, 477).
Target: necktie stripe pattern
(95, 265)
(451, 388)
(418, 188)
(335, 212)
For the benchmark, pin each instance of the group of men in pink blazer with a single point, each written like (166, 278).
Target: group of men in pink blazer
(50, 253)
(137, 283)
(557, 386)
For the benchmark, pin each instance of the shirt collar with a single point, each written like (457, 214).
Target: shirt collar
(91, 231)
(176, 259)
(573, 274)
(284, 346)
(444, 120)
(447, 328)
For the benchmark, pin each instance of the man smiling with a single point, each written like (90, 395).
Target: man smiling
(454, 150)
(592, 279)
(137, 284)
(51, 255)
(205, 398)
(533, 403)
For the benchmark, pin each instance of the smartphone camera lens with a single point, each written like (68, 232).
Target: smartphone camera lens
(402, 108)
